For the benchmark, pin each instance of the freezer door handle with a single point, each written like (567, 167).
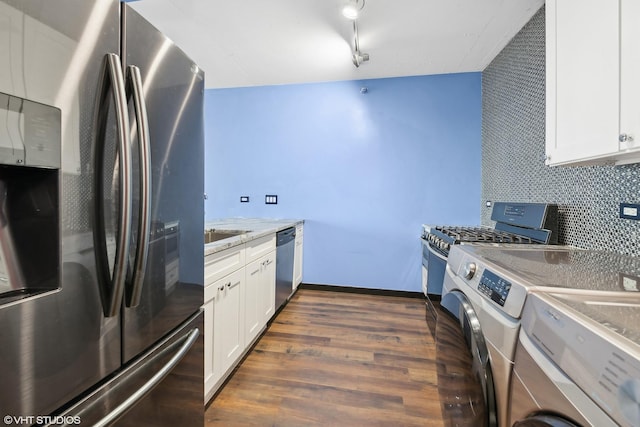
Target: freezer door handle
(135, 91)
(153, 381)
(112, 284)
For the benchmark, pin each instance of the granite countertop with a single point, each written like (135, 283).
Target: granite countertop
(256, 227)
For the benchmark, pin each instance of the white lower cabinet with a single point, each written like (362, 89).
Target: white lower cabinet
(267, 303)
(211, 376)
(260, 290)
(260, 295)
(228, 321)
(252, 317)
(224, 328)
(237, 305)
(224, 277)
(297, 257)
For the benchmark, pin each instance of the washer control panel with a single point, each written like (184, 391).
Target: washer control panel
(494, 287)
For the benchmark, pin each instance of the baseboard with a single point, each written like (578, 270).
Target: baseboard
(356, 290)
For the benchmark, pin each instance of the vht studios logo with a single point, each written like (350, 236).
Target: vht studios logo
(41, 419)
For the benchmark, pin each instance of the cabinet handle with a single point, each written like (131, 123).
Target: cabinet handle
(625, 137)
(255, 272)
(221, 288)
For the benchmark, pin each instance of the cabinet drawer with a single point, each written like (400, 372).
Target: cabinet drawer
(220, 264)
(260, 247)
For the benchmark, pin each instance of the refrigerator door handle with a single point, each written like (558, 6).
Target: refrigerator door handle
(135, 90)
(135, 397)
(112, 284)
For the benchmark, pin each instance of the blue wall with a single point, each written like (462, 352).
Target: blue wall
(364, 170)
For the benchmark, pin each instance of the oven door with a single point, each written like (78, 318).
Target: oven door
(435, 269)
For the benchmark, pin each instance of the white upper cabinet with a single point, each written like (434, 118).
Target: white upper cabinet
(592, 82)
(630, 77)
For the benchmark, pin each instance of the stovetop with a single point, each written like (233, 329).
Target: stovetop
(480, 234)
(441, 237)
(519, 223)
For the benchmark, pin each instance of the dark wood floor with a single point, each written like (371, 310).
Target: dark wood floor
(335, 358)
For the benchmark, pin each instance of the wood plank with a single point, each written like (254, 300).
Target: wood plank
(333, 358)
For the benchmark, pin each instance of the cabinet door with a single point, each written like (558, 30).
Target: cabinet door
(297, 258)
(211, 376)
(582, 79)
(253, 319)
(268, 289)
(228, 338)
(630, 74)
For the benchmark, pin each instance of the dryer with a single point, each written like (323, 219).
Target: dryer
(577, 362)
(486, 287)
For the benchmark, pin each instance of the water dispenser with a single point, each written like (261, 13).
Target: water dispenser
(30, 146)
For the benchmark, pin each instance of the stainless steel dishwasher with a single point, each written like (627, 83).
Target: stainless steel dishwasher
(285, 247)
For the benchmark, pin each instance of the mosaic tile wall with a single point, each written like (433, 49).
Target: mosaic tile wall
(513, 169)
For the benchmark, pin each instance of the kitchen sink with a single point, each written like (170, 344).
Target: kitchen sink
(213, 235)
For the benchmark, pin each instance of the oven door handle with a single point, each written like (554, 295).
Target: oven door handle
(433, 252)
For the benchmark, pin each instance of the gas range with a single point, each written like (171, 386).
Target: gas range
(519, 223)
(515, 223)
(441, 237)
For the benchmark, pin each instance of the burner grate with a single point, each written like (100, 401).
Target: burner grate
(481, 234)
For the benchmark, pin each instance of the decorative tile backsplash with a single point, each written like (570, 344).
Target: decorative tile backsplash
(513, 169)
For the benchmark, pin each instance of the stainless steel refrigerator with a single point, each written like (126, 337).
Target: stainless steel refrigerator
(101, 218)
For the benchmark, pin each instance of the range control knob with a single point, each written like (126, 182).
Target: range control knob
(469, 270)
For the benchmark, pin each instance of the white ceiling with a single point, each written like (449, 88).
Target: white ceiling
(268, 42)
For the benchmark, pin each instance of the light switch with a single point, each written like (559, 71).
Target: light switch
(629, 283)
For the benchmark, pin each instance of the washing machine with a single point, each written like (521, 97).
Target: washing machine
(577, 362)
(486, 287)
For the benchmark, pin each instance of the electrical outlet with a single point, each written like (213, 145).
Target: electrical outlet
(630, 211)
(629, 283)
(244, 199)
(271, 199)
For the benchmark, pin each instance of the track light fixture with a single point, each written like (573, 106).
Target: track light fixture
(351, 11)
(357, 57)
